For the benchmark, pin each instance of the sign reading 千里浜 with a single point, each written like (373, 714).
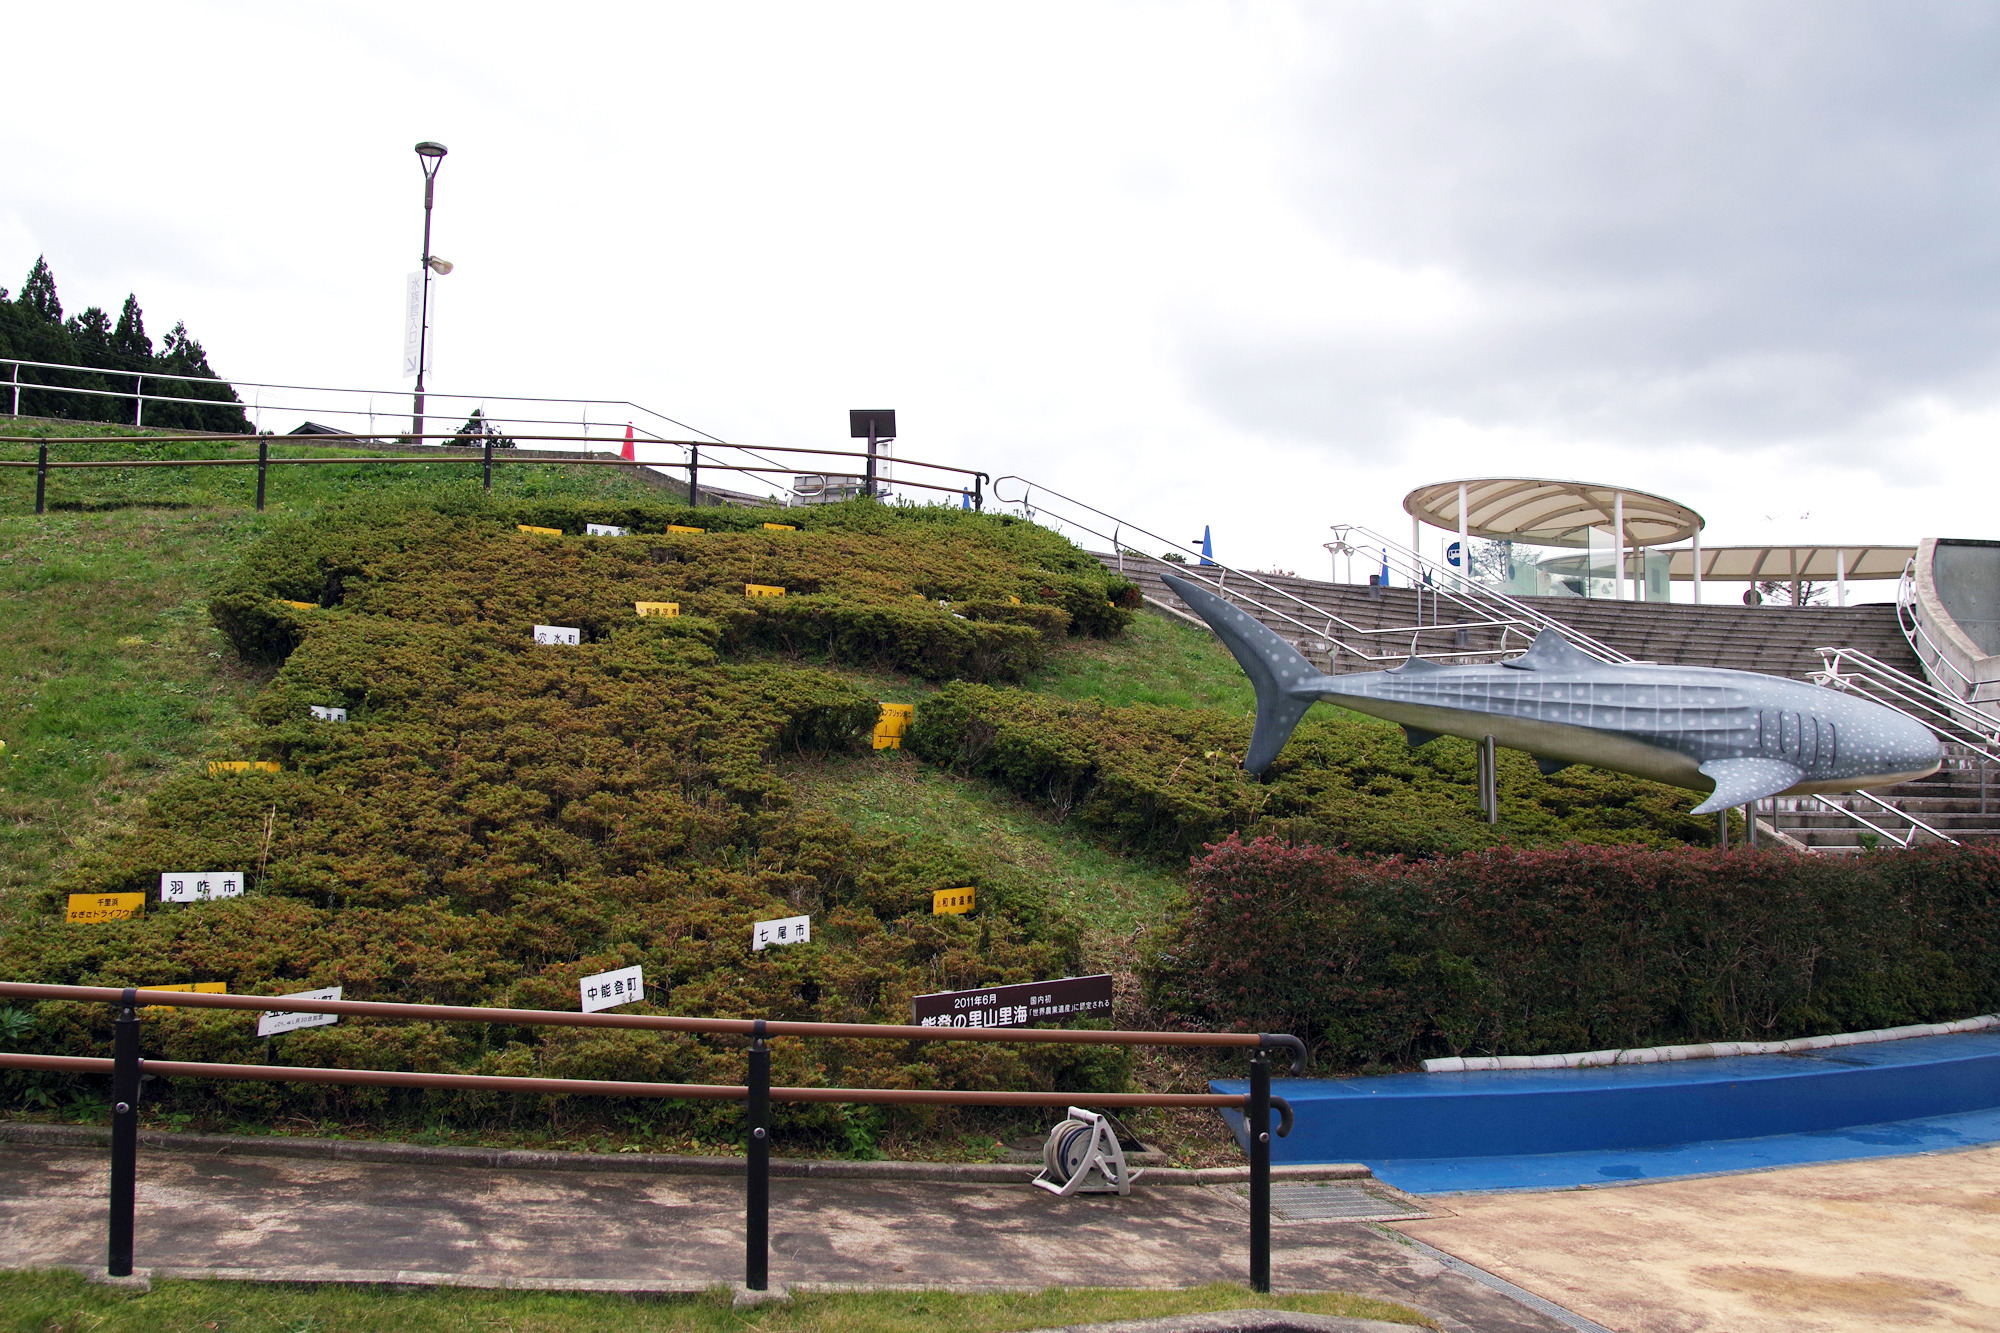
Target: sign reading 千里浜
(88, 907)
(788, 930)
(607, 989)
(1013, 1006)
(272, 1023)
(197, 886)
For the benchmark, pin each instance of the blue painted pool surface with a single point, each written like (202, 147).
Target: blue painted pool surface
(1661, 1118)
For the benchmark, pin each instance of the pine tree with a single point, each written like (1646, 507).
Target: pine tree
(38, 293)
(90, 333)
(129, 340)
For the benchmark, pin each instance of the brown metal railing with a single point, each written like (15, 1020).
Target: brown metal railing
(974, 487)
(126, 1067)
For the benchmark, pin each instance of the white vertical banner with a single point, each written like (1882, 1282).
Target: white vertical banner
(413, 323)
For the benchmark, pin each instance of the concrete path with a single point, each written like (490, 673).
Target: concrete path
(302, 1219)
(1903, 1242)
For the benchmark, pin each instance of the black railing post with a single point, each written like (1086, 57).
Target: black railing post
(757, 1204)
(1258, 1114)
(489, 464)
(124, 1134)
(871, 461)
(263, 461)
(42, 478)
(694, 476)
(979, 492)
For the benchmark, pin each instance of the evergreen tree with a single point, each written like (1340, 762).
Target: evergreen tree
(90, 334)
(38, 293)
(129, 341)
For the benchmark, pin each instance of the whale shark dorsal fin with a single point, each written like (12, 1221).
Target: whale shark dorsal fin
(1415, 665)
(1552, 652)
(1740, 781)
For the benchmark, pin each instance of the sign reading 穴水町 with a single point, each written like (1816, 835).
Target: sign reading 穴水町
(270, 1024)
(607, 989)
(1014, 1006)
(788, 930)
(198, 886)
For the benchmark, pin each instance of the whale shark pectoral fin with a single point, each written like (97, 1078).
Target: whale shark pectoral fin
(1417, 736)
(1285, 681)
(1740, 781)
(1550, 767)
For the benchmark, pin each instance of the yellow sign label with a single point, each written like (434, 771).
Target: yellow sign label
(218, 767)
(781, 527)
(889, 729)
(203, 987)
(762, 590)
(657, 608)
(105, 906)
(539, 532)
(678, 527)
(952, 902)
(301, 606)
(1012, 600)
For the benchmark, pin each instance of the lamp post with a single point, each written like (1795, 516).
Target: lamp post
(429, 156)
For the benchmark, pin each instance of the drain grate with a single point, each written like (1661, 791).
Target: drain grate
(1336, 1202)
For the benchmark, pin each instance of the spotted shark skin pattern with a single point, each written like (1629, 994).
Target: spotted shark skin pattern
(1737, 735)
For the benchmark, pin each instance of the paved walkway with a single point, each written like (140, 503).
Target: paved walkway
(356, 1221)
(1903, 1242)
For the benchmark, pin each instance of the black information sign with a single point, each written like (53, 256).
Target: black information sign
(1013, 1006)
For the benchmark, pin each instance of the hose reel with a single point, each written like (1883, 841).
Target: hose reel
(1082, 1156)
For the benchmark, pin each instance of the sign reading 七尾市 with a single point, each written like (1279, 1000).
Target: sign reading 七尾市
(606, 989)
(88, 907)
(558, 634)
(271, 1024)
(953, 902)
(1013, 1006)
(602, 530)
(196, 886)
(788, 930)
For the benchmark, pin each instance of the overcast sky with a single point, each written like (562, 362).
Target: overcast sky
(1259, 266)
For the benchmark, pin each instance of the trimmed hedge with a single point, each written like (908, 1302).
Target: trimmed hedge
(969, 595)
(1167, 781)
(1520, 952)
(497, 818)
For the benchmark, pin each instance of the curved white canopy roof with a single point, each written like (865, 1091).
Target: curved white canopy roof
(1546, 512)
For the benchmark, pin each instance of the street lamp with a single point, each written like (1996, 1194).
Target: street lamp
(429, 156)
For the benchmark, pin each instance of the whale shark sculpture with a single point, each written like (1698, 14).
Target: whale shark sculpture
(1738, 735)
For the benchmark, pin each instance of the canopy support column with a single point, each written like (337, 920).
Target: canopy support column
(1618, 527)
(1697, 566)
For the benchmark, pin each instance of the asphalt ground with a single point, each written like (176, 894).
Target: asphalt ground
(227, 1214)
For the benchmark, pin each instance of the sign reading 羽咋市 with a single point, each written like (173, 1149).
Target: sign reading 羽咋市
(1014, 1006)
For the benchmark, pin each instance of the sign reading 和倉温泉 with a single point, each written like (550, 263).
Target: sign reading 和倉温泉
(197, 886)
(602, 530)
(790, 930)
(1013, 1006)
(558, 634)
(607, 989)
(272, 1023)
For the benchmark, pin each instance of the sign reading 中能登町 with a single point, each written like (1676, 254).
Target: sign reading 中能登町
(565, 634)
(607, 989)
(272, 1023)
(1014, 1006)
(602, 530)
(198, 886)
(786, 930)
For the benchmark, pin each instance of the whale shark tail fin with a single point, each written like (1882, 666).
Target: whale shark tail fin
(1283, 677)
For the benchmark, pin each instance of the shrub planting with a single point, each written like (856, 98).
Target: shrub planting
(1167, 781)
(1384, 961)
(496, 818)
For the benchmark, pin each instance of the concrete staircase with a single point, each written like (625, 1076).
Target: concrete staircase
(1780, 641)
(1961, 800)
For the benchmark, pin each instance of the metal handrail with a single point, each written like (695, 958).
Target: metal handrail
(1906, 841)
(1917, 636)
(1948, 717)
(1490, 610)
(126, 1068)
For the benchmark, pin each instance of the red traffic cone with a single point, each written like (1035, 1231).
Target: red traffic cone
(627, 452)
